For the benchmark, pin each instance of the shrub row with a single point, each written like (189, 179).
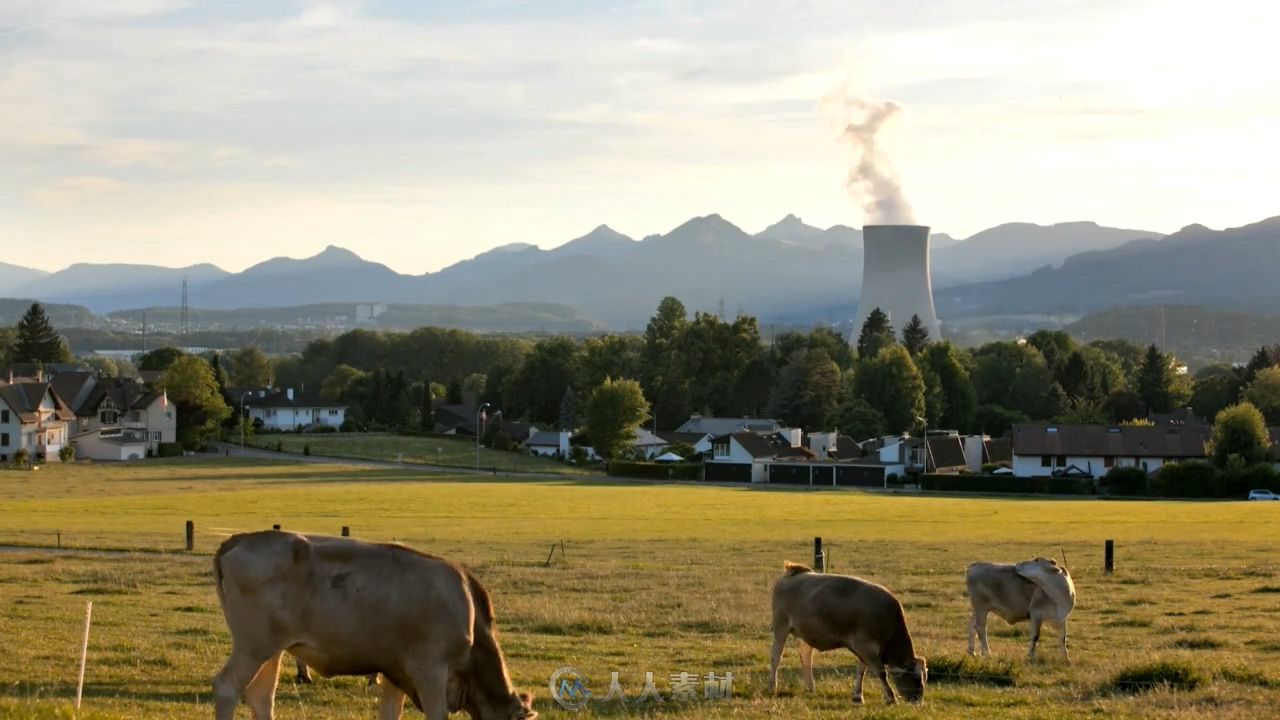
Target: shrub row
(1007, 484)
(655, 471)
(1194, 479)
(170, 449)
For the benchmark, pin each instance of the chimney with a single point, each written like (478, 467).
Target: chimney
(289, 393)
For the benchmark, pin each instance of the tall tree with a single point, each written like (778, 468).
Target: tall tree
(550, 367)
(569, 410)
(426, 407)
(37, 341)
(614, 410)
(891, 383)
(454, 396)
(1014, 376)
(663, 367)
(835, 345)
(250, 368)
(1155, 381)
(1265, 357)
(1240, 432)
(159, 359)
(856, 418)
(808, 390)
(8, 339)
(915, 336)
(189, 384)
(1055, 345)
(1264, 394)
(1215, 389)
(715, 353)
(875, 335)
(959, 398)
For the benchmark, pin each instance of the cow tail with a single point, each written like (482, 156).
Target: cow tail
(223, 549)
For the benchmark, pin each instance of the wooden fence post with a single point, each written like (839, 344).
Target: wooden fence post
(819, 560)
(191, 535)
(346, 531)
(1109, 557)
(276, 526)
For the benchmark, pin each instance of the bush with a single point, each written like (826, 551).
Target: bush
(1187, 479)
(171, 449)
(348, 425)
(1175, 675)
(1003, 484)
(324, 429)
(1071, 486)
(279, 446)
(655, 471)
(67, 453)
(1126, 481)
(1236, 482)
(306, 448)
(501, 441)
(988, 468)
(578, 455)
(21, 457)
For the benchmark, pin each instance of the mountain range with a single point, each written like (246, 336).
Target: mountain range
(788, 271)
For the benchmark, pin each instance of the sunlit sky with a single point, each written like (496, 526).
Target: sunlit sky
(421, 133)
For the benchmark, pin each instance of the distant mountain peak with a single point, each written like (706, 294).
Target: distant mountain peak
(602, 241)
(790, 227)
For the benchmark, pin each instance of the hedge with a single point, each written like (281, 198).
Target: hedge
(171, 449)
(1007, 484)
(655, 471)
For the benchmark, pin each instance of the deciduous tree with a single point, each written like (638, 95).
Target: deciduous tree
(189, 384)
(1264, 394)
(250, 368)
(808, 390)
(614, 410)
(891, 383)
(1240, 432)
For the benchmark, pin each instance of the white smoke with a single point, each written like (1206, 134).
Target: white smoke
(872, 181)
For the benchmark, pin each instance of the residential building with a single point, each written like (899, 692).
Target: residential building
(34, 418)
(1041, 450)
(276, 409)
(119, 419)
(548, 443)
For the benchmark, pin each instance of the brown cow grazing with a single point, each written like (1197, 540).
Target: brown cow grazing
(1035, 590)
(346, 607)
(828, 612)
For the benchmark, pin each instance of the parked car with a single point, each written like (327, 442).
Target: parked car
(1263, 495)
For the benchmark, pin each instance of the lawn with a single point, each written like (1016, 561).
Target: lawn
(447, 451)
(655, 578)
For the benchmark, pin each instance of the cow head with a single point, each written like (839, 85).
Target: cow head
(912, 680)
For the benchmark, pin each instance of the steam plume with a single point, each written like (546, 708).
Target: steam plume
(872, 181)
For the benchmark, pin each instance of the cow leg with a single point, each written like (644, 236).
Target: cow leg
(780, 633)
(860, 673)
(391, 704)
(432, 685)
(1036, 621)
(980, 628)
(806, 664)
(260, 695)
(1062, 639)
(231, 681)
(304, 675)
(870, 654)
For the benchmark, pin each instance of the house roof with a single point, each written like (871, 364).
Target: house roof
(462, 416)
(1180, 416)
(543, 438)
(278, 398)
(946, 452)
(24, 399)
(756, 445)
(1170, 441)
(124, 394)
(847, 448)
(74, 387)
(48, 370)
(997, 450)
(689, 438)
(644, 438)
(728, 425)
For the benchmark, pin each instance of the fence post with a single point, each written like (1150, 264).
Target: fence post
(191, 535)
(819, 560)
(346, 531)
(276, 526)
(1109, 557)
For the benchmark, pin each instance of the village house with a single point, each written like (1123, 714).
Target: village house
(34, 418)
(286, 410)
(116, 419)
(1042, 450)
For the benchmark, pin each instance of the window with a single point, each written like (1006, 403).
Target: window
(109, 417)
(4, 439)
(1109, 461)
(1062, 461)
(135, 416)
(1045, 461)
(4, 416)
(721, 449)
(333, 413)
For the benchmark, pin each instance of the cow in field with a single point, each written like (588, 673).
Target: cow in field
(346, 607)
(1038, 590)
(829, 612)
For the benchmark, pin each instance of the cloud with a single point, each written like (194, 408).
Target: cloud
(71, 192)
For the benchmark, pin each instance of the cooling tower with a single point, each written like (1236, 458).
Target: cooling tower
(896, 277)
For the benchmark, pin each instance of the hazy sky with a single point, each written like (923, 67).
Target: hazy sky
(419, 133)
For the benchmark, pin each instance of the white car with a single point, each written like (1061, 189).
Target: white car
(1263, 495)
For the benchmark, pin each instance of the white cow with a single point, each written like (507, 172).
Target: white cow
(1035, 590)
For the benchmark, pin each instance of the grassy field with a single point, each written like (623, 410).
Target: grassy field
(656, 578)
(448, 451)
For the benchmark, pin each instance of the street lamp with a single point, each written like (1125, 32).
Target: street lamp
(242, 397)
(925, 423)
(479, 411)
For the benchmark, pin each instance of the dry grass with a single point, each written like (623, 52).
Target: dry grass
(664, 579)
